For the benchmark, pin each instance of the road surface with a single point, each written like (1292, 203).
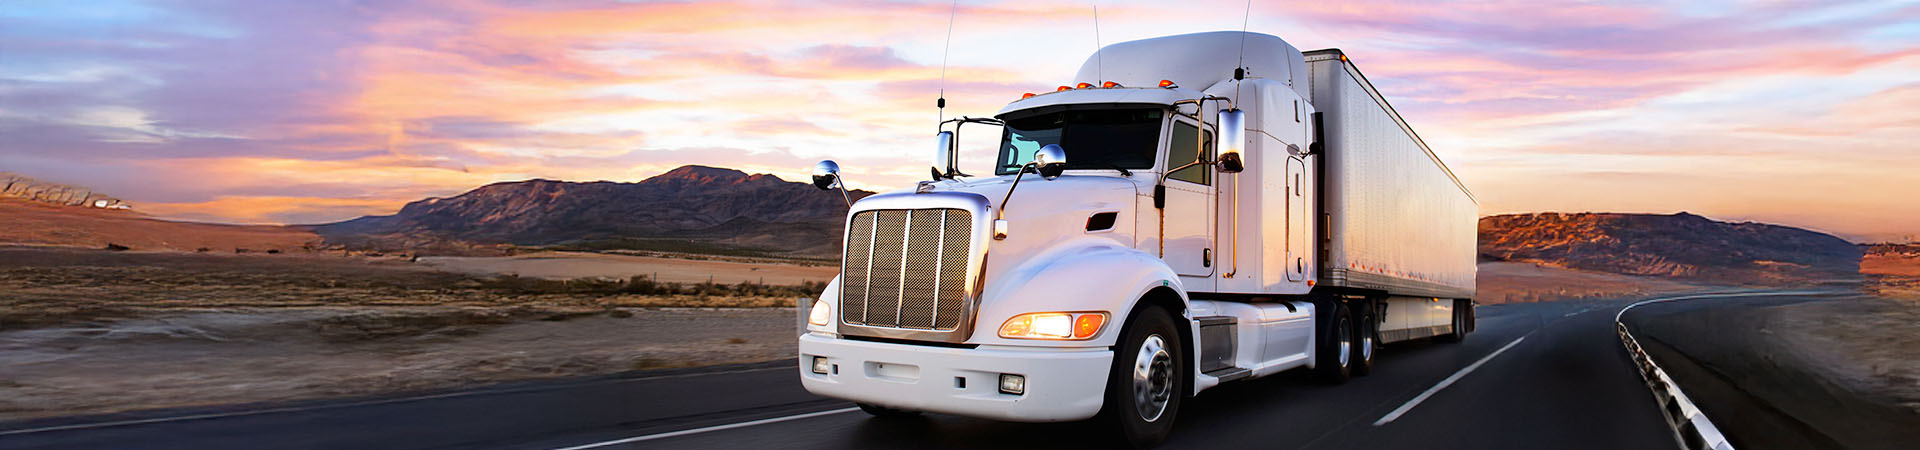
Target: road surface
(1544, 375)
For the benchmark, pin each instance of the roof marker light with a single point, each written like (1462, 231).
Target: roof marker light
(1110, 84)
(1083, 85)
(1168, 84)
(1064, 88)
(1028, 96)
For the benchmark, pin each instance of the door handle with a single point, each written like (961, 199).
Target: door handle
(1206, 257)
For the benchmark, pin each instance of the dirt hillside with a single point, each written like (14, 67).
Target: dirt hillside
(39, 224)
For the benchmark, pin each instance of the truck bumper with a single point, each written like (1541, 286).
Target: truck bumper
(1061, 384)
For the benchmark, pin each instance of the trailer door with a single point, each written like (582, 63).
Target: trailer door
(1189, 209)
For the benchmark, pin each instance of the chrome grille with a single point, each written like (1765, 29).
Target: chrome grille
(906, 268)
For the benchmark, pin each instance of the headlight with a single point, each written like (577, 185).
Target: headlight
(1054, 325)
(822, 313)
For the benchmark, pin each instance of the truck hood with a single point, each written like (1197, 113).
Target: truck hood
(1046, 214)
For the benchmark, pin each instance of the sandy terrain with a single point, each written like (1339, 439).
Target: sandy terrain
(571, 265)
(1868, 343)
(1840, 370)
(1890, 265)
(1510, 282)
(88, 331)
(234, 355)
(1892, 275)
(29, 223)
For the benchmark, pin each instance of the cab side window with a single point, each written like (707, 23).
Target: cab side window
(1184, 150)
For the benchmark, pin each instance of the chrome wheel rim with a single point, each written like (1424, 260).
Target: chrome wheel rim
(1345, 332)
(1366, 345)
(1152, 378)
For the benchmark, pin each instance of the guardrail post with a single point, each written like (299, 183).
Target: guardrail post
(802, 308)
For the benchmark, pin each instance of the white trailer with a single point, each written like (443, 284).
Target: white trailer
(1145, 266)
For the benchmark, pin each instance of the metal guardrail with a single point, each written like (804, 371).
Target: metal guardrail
(1690, 425)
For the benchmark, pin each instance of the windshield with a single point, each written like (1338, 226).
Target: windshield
(1093, 139)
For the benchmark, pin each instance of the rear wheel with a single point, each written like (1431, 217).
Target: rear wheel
(1462, 321)
(1366, 332)
(1146, 383)
(885, 412)
(1334, 352)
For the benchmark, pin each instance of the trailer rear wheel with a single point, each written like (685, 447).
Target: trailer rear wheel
(1462, 321)
(1146, 383)
(1366, 331)
(1334, 352)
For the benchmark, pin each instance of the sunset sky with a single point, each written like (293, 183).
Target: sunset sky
(1800, 113)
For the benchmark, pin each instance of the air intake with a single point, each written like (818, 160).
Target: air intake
(907, 269)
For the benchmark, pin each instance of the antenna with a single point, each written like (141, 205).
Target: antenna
(1239, 68)
(941, 104)
(1099, 60)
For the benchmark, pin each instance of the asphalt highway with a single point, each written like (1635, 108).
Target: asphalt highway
(1544, 375)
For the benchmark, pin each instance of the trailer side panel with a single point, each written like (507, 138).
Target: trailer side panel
(1399, 221)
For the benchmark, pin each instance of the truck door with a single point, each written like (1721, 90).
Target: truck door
(1299, 230)
(1189, 208)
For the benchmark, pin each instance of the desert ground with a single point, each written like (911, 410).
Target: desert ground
(38, 224)
(681, 269)
(1516, 282)
(196, 356)
(1892, 274)
(92, 331)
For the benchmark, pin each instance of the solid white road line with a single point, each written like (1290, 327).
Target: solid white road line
(712, 428)
(1444, 383)
(255, 412)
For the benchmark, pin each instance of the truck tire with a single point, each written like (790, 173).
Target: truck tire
(1462, 318)
(1366, 330)
(1333, 351)
(885, 412)
(1147, 381)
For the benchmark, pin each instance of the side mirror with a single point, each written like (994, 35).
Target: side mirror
(1050, 161)
(826, 174)
(943, 157)
(1233, 132)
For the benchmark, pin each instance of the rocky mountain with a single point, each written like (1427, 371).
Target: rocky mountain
(1680, 245)
(22, 187)
(693, 208)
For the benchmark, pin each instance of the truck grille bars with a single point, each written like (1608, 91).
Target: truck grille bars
(906, 269)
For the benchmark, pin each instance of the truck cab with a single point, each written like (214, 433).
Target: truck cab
(1148, 232)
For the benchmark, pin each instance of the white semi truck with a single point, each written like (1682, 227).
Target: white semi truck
(1117, 262)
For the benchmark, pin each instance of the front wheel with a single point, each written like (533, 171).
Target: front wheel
(1146, 383)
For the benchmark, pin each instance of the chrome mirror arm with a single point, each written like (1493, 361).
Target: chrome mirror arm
(1000, 213)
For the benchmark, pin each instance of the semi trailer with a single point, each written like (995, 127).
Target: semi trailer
(1190, 210)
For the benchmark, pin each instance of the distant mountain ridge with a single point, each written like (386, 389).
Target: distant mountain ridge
(695, 204)
(1680, 245)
